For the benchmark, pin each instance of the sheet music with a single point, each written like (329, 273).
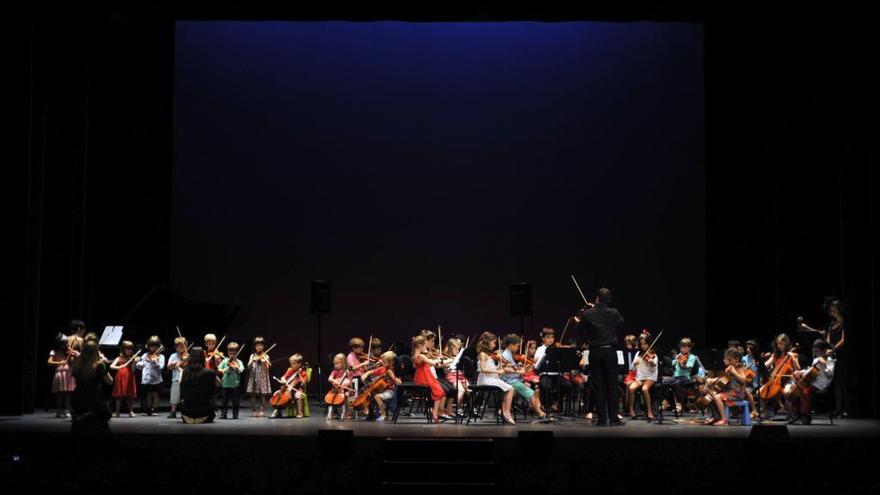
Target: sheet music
(111, 335)
(620, 361)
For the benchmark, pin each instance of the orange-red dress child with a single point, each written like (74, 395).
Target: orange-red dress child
(423, 375)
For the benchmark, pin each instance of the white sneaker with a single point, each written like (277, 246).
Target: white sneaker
(380, 419)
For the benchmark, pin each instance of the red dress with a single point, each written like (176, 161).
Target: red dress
(125, 383)
(423, 376)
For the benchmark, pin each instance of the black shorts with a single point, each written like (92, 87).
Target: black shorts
(156, 387)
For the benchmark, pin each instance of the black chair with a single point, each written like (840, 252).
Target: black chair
(479, 400)
(825, 399)
(410, 392)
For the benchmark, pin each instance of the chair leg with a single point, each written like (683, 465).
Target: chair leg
(401, 398)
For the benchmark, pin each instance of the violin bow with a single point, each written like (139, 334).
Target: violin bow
(561, 337)
(178, 330)
(587, 303)
(652, 343)
(217, 348)
(133, 358)
(369, 348)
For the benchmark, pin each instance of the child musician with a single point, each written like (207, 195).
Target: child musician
(630, 349)
(355, 360)
(646, 372)
(339, 379)
(489, 373)
(151, 365)
(176, 363)
(125, 381)
(683, 366)
(230, 369)
(297, 377)
(513, 374)
(551, 385)
(213, 356)
(783, 352)
(733, 391)
(424, 376)
(823, 363)
(750, 363)
(63, 383)
(386, 372)
(530, 377)
(454, 375)
(258, 385)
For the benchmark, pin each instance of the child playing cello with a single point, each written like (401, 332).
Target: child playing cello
(730, 386)
(340, 381)
(294, 380)
(386, 373)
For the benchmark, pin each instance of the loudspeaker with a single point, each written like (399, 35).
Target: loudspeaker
(520, 299)
(321, 297)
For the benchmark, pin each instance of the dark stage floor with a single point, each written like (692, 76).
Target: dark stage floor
(685, 427)
(316, 456)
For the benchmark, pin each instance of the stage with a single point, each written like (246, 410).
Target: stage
(307, 455)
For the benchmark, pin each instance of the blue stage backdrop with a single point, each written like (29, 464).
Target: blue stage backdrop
(423, 167)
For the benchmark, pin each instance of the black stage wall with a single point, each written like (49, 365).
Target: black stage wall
(789, 183)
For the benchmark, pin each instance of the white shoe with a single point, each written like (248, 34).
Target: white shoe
(380, 419)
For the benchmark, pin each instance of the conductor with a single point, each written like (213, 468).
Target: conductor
(600, 323)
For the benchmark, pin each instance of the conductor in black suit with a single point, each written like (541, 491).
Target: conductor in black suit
(600, 323)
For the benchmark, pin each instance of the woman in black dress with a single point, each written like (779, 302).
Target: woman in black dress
(90, 410)
(835, 334)
(197, 388)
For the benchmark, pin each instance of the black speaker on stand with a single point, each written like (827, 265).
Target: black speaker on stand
(521, 303)
(321, 299)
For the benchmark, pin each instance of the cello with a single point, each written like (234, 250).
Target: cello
(336, 396)
(774, 385)
(282, 397)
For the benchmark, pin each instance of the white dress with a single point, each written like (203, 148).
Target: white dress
(492, 378)
(644, 371)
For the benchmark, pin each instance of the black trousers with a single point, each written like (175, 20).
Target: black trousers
(603, 375)
(230, 393)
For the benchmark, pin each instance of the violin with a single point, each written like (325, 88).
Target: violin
(774, 385)
(682, 359)
(716, 385)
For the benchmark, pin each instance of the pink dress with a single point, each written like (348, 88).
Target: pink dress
(63, 380)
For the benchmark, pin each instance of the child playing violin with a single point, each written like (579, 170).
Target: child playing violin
(151, 365)
(125, 381)
(424, 376)
(230, 370)
(630, 349)
(176, 363)
(454, 375)
(530, 377)
(213, 356)
(645, 366)
(821, 372)
(513, 373)
(63, 383)
(683, 366)
(488, 367)
(258, 385)
(731, 391)
(340, 381)
(386, 373)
